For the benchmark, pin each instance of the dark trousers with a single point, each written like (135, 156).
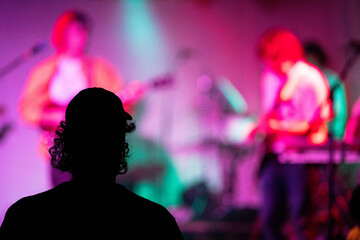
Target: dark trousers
(285, 194)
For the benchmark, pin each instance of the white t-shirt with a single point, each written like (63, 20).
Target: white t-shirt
(68, 80)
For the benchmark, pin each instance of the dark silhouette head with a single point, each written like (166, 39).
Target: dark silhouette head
(315, 54)
(91, 142)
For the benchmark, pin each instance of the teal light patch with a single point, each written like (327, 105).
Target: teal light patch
(232, 95)
(143, 38)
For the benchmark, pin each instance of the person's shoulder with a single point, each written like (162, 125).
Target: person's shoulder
(47, 62)
(24, 205)
(46, 65)
(28, 214)
(99, 61)
(328, 71)
(102, 65)
(139, 202)
(156, 220)
(144, 207)
(332, 77)
(19, 205)
(301, 66)
(307, 72)
(39, 198)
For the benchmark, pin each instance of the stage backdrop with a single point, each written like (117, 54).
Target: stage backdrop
(146, 39)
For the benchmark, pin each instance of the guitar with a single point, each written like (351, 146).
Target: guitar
(135, 90)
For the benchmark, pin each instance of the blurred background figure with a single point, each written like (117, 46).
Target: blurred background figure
(315, 55)
(346, 174)
(295, 109)
(56, 80)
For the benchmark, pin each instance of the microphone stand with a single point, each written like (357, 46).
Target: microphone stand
(331, 164)
(16, 62)
(331, 176)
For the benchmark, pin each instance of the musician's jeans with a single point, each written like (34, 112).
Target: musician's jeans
(284, 189)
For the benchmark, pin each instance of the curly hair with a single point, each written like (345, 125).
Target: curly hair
(62, 154)
(92, 138)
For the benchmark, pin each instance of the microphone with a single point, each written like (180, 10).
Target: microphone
(35, 49)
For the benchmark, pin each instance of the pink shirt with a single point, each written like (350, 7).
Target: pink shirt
(300, 96)
(305, 90)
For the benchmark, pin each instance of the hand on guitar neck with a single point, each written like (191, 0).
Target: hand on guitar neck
(131, 94)
(135, 90)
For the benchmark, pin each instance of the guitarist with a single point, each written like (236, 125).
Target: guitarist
(56, 80)
(295, 107)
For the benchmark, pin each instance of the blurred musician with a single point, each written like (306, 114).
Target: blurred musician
(56, 80)
(295, 105)
(317, 56)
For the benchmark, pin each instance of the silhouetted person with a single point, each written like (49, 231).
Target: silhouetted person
(315, 54)
(91, 145)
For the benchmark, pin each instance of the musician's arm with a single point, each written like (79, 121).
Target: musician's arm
(105, 75)
(34, 98)
(298, 127)
(270, 84)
